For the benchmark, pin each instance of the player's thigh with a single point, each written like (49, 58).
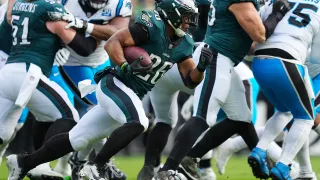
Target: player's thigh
(165, 105)
(295, 92)
(56, 77)
(80, 73)
(9, 116)
(316, 89)
(236, 106)
(50, 102)
(96, 124)
(120, 101)
(213, 90)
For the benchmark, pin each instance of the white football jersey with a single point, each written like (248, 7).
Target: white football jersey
(114, 8)
(295, 32)
(313, 59)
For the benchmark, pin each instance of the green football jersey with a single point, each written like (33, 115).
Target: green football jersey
(224, 33)
(162, 52)
(5, 36)
(32, 41)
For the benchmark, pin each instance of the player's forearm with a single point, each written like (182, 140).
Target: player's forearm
(193, 78)
(103, 32)
(115, 51)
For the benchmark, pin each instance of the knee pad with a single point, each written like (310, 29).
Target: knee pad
(78, 143)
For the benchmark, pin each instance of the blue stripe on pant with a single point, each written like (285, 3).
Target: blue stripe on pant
(282, 83)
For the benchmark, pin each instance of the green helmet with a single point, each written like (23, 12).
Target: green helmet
(175, 12)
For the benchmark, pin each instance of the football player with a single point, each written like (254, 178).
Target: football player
(119, 114)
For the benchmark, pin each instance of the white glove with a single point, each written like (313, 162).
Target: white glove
(61, 57)
(77, 24)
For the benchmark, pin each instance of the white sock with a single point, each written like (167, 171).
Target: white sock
(238, 144)
(208, 155)
(317, 129)
(274, 151)
(84, 153)
(63, 161)
(303, 158)
(99, 144)
(296, 137)
(273, 128)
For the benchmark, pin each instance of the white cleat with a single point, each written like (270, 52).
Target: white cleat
(44, 172)
(15, 172)
(169, 175)
(222, 155)
(307, 176)
(207, 174)
(90, 172)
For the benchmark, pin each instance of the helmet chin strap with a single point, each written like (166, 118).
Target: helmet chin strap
(179, 32)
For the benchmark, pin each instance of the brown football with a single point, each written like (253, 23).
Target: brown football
(132, 53)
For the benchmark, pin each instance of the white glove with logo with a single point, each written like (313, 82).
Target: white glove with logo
(61, 57)
(79, 25)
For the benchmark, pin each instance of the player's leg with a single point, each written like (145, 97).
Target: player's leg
(124, 106)
(94, 125)
(238, 121)
(205, 105)
(289, 93)
(316, 88)
(164, 102)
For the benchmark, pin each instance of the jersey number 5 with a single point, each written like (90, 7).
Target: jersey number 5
(300, 18)
(24, 36)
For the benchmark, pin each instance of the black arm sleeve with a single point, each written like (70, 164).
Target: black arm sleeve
(271, 23)
(139, 33)
(84, 46)
(187, 81)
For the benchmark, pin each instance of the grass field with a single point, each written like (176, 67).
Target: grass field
(237, 168)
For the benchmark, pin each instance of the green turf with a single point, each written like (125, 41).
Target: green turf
(237, 168)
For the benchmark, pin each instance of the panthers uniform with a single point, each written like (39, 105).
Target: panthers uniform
(33, 47)
(288, 87)
(79, 68)
(119, 94)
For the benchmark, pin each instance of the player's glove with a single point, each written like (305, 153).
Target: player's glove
(79, 25)
(205, 58)
(135, 67)
(62, 56)
(281, 6)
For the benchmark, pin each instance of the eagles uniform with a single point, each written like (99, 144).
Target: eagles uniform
(79, 68)
(119, 94)
(222, 87)
(33, 46)
(288, 87)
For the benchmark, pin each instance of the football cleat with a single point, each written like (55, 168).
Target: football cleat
(44, 172)
(258, 162)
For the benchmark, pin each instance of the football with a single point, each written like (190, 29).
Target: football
(132, 53)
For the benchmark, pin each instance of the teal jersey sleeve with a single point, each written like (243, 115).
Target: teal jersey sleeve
(152, 21)
(184, 50)
(54, 10)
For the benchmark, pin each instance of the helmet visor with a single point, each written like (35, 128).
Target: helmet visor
(190, 18)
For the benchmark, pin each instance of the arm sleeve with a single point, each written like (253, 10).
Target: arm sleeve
(54, 11)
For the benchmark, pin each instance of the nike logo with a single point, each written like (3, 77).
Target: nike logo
(55, 74)
(59, 9)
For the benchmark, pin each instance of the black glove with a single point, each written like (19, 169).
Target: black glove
(205, 58)
(101, 73)
(135, 66)
(281, 6)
